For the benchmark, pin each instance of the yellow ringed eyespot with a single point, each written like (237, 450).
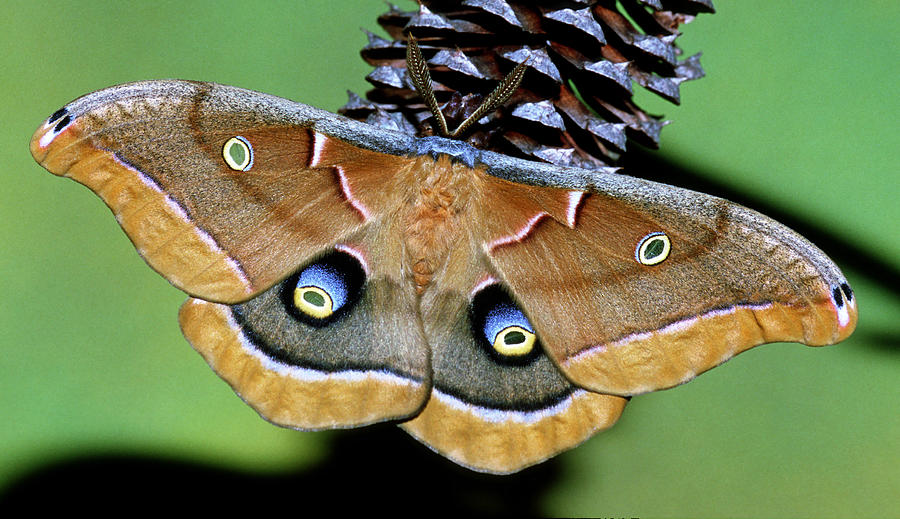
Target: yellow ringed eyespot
(514, 341)
(653, 249)
(500, 327)
(313, 301)
(508, 331)
(238, 153)
(324, 290)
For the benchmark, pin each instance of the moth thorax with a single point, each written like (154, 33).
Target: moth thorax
(434, 220)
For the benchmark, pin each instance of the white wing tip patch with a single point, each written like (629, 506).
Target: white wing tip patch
(53, 129)
(841, 301)
(47, 138)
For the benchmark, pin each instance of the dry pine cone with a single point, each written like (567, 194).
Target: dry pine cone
(574, 106)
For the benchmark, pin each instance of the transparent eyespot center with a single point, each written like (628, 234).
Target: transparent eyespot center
(238, 153)
(653, 249)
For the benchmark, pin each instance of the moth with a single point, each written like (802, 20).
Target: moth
(499, 310)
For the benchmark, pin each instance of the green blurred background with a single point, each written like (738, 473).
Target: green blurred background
(798, 112)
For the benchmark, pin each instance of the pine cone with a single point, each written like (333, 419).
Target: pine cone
(574, 106)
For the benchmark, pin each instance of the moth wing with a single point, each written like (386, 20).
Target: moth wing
(489, 410)
(635, 286)
(364, 360)
(222, 190)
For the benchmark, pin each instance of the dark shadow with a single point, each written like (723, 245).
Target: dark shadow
(370, 470)
(882, 340)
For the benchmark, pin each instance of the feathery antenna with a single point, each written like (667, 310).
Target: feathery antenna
(417, 69)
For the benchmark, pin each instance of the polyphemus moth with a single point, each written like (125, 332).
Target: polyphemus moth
(500, 310)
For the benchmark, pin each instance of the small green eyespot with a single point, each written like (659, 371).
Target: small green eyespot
(238, 153)
(514, 341)
(653, 249)
(313, 301)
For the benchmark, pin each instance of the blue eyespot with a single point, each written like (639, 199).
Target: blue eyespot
(508, 335)
(320, 291)
(507, 329)
(324, 290)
